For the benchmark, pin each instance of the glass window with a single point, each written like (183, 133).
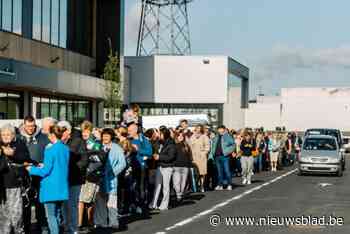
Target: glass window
(325, 144)
(61, 109)
(17, 16)
(63, 24)
(11, 15)
(7, 15)
(45, 108)
(46, 21)
(54, 108)
(3, 106)
(10, 105)
(50, 21)
(37, 19)
(54, 22)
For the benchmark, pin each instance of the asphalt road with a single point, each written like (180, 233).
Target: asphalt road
(270, 196)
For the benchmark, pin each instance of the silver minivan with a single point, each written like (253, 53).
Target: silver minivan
(320, 154)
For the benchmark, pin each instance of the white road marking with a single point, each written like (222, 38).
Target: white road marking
(324, 184)
(222, 204)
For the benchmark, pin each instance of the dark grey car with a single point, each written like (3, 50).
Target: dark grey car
(320, 154)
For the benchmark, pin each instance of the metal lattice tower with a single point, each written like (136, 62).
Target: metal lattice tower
(164, 28)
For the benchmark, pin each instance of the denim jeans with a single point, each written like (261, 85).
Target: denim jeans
(53, 212)
(258, 163)
(70, 210)
(223, 168)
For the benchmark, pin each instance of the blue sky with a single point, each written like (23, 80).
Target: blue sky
(284, 43)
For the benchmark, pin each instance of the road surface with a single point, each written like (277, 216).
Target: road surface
(271, 196)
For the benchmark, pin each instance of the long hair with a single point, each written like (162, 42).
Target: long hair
(184, 143)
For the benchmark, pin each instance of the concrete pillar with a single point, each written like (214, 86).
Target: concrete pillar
(27, 103)
(100, 114)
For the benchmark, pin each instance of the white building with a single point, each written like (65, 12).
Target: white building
(302, 108)
(213, 85)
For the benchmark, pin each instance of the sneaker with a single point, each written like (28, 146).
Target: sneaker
(218, 188)
(163, 209)
(202, 190)
(229, 187)
(249, 182)
(244, 181)
(138, 210)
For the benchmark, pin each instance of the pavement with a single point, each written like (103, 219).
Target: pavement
(271, 196)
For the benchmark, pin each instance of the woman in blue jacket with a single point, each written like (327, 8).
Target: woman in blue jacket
(54, 173)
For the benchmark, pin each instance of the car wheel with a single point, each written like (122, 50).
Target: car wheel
(300, 173)
(340, 172)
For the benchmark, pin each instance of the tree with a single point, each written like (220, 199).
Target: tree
(112, 77)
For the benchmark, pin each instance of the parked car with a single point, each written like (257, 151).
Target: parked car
(321, 154)
(326, 131)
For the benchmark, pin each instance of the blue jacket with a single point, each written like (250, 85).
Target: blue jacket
(54, 173)
(115, 164)
(227, 143)
(144, 150)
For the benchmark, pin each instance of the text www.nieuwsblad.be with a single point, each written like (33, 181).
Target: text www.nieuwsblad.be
(216, 220)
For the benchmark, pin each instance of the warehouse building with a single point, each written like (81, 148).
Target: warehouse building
(213, 85)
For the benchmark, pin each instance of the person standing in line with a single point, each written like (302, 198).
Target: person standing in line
(166, 159)
(247, 147)
(200, 146)
(91, 151)
(274, 148)
(36, 141)
(106, 214)
(15, 155)
(222, 148)
(77, 167)
(140, 156)
(182, 164)
(54, 173)
(261, 147)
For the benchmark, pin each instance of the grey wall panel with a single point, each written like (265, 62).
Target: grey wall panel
(27, 75)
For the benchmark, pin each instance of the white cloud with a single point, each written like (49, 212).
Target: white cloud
(286, 60)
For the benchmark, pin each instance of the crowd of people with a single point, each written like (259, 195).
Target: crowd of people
(84, 178)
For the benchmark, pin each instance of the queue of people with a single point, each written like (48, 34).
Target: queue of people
(87, 178)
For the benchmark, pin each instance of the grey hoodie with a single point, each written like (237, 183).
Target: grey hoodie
(36, 143)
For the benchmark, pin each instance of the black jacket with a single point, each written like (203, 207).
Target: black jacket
(14, 176)
(167, 155)
(183, 156)
(3, 169)
(247, 148)
(78, 160)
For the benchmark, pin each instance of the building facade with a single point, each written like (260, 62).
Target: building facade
(178, 85)
(52, 53)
